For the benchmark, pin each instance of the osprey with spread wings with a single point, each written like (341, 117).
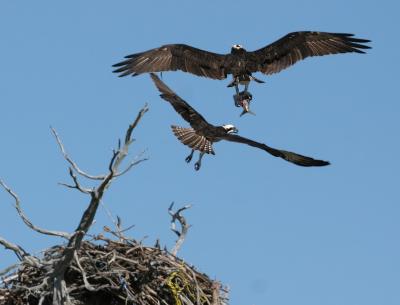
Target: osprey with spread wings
(201, 135)
(240, 63)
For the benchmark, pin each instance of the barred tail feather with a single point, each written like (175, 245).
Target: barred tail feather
(189, 137)
(195, 143)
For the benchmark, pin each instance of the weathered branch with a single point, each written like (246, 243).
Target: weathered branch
(184, 226)
(123, 152)
(85, 280)
(8, 269)
(26, 220)
(19, 252)
(122, 271)
(70, 161)
(134, 162)
(118, 225)
(216, 287)
(60, 295)
(76, 185)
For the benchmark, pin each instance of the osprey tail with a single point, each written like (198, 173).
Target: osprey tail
(189, 137)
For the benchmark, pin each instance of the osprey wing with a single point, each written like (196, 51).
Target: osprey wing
(298, 45)
(187, 112)
(286, 155)
(174, 57)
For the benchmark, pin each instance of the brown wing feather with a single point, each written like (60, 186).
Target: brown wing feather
(174, 57)
(189, 137)
(286, 155)
(187, 112)
(298, 45)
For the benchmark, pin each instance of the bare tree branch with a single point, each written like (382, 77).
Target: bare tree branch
(76, 182)
(123, 152)
(70, 161)
(53, 281)
(7, 270)
(118, 225)
(184, 226)
(19, 252)
(60, 294)
(135, 162)
(26, 220)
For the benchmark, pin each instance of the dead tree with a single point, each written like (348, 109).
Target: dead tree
(96, 270)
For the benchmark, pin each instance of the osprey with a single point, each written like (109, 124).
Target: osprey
(240, 63)
(202, 134)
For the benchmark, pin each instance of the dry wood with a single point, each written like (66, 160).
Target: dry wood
(144, 276)
(103, 270)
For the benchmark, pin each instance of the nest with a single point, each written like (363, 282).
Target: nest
(115, 272)
(101, 270)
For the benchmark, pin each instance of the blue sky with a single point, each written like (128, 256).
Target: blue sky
(275, 233)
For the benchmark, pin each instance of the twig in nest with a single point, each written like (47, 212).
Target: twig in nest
(184, 226)
(85, 280)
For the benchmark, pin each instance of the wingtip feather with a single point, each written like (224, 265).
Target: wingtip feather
(317, 163)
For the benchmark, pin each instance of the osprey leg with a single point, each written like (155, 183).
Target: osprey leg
(236, 97)
(235, 82)
(189, 158)
(246, 87)
(257, 80)
(197, 165)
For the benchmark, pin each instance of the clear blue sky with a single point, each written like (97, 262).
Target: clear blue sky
(275, 233)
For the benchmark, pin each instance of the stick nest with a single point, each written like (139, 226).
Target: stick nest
(104, 271)
(112, 272)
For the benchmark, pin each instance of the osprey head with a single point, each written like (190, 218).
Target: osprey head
(229, 128)
(237, 48)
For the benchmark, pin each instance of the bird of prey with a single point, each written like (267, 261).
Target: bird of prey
(202, 134)
(241, 63)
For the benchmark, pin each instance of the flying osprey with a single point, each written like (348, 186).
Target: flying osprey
(240, 63)
(202, 134)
